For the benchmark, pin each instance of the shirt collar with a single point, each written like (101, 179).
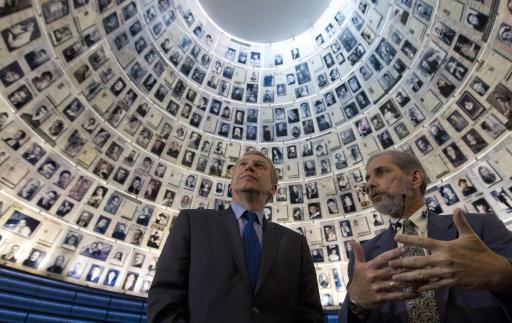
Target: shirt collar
(419, 218)
(239, 211)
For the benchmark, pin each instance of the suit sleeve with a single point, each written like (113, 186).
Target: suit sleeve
(168, 296)
(310, 309)
(345, 315)
(499, 239)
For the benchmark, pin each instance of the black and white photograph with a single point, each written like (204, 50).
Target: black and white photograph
(486, 174)
(482, 206)
(448, 194)
(502, 199)
(456, 68)
(476, 20)
(20, 97)
(504, 35)
(390, 112)
(401, 130)
(34, 258)
(21, 33)
(96, 249)
(415, 115)
(470, 105)
(491, 126)
(466, 48)
(457, 121)
(424, 145)
(465, 186)
(438, 132)
(11, 73)
(34, 153)
(37, 58)
(444, 33)
(61, 34)
(474, 141)
(9, 8)
(431, 61)
(22, 224)
(501, 99)
(48, 199)
(479, 86)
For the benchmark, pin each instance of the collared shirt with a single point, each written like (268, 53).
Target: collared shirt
(239, 211)
(419, 218)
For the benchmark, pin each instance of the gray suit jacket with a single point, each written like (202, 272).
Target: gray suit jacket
(454, 304)
(202, 275)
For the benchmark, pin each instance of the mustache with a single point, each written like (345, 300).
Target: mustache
(367, 189)
(373, 193)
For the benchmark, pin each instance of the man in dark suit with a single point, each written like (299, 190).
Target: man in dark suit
(444, 269)
(234, 266)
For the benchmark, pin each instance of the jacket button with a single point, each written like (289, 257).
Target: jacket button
(256, 310)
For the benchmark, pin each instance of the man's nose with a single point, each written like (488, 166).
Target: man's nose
(370, 184)
(249, 166)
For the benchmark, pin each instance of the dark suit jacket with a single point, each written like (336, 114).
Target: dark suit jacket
(202, 275)
(454, 304)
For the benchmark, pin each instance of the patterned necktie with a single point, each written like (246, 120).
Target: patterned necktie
(424, 307)
(252, 247)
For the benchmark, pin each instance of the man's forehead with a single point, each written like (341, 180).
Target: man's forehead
(381, 161)
(252, 157)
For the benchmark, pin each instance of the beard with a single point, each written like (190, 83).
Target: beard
(389, 205)
(393, 205)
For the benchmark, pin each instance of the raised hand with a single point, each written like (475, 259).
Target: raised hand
(372, 283)
(465, 262)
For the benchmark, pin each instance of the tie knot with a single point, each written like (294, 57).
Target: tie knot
(251, 216)
(409, 227)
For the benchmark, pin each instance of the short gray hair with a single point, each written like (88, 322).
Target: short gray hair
(407, 162)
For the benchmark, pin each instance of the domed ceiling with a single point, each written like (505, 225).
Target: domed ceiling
(264, 21)
(115, 115)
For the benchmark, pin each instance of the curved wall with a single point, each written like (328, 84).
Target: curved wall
(114, 115)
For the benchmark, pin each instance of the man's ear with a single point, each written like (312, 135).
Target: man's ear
(273, 190)
(417, 178)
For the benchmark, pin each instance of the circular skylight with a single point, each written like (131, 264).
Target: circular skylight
(264, 21)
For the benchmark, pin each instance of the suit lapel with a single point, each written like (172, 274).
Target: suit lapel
(385, 243)
(271, 237)
(231, 233)
(441, 227)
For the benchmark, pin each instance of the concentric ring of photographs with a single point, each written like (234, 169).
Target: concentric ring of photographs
(117, 149)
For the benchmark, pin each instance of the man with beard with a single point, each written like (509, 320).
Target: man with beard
(445, 268)
(233, 265)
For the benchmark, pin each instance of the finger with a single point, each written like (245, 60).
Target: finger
(383, 259)
(421, 275)
(419, 241)
(388, 286)
(436, 284)
(357, 250)
(412, 262)
(383, 274)
(461, 223)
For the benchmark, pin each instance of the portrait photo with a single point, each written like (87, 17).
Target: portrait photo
(470, 105)
(486, 174)
(22, 224)
(21, 33)
(96, 249)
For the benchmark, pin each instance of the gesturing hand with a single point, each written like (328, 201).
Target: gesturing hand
(465, 262)
(372, 282)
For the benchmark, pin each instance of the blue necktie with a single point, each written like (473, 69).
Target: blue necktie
(252, 247)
